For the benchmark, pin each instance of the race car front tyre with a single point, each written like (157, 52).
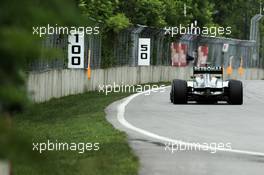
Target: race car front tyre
(179, 92)
(235, 92)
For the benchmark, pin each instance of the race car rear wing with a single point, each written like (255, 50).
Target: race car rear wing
(208, 70)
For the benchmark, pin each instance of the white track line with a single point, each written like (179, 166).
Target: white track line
(121, 118)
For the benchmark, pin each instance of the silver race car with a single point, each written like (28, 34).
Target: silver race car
(207, 86)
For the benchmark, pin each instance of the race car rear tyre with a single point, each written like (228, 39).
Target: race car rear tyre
(171, 99)
(171, 92)
(235, 92)
(179, 92)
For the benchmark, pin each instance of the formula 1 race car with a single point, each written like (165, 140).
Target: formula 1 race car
(207, 86)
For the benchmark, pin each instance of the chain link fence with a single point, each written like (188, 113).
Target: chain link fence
(59, 60)
(238, 49)
(125, 49)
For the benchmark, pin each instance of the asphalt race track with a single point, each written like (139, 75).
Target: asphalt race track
(151, 121)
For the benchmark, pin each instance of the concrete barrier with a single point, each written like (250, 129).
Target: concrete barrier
(4, 168)
(58, 83)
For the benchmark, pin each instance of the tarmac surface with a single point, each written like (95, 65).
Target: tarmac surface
(232, 136)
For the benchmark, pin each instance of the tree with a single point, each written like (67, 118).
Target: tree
(174, 13)
(202, 12)
(145, 12)
(105, 13)
(18, 46)
(236, 14)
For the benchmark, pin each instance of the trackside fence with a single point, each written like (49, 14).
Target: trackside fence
(49, 76)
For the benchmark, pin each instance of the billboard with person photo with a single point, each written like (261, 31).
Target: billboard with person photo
(178, 54)
(202, 55)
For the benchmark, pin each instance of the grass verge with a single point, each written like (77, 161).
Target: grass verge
(78, 118)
